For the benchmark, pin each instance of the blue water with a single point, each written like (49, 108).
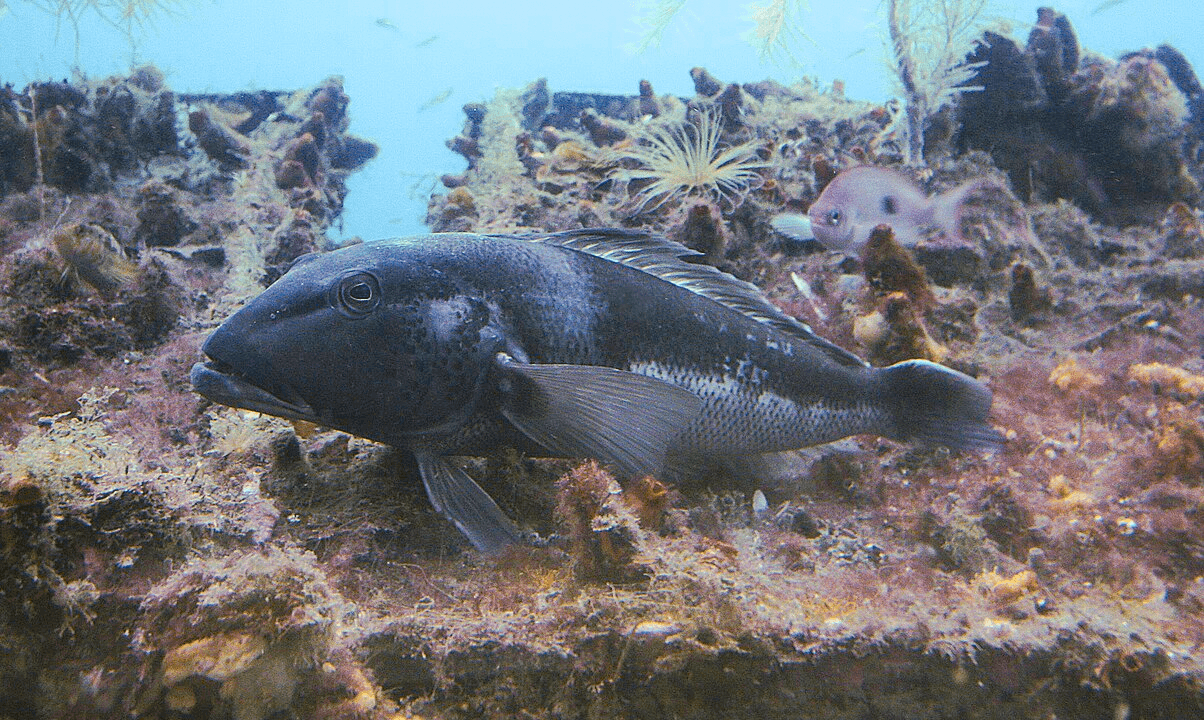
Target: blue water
(409, 67)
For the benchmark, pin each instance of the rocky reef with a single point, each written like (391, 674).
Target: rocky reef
(164, 557)
(131, 220)
(1122, 139)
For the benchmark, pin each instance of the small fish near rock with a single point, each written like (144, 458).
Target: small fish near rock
(861, 198)
(598, 343)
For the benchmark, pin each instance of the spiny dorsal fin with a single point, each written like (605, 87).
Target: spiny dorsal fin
(660, 257)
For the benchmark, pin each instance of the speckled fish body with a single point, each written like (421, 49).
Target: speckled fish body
(861, 198)
(589, 343)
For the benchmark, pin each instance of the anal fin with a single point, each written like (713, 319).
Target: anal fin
(458, 498)
(621, 418)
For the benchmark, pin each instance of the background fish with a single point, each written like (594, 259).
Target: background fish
(861, 198)
(598, 343)
(436, 100)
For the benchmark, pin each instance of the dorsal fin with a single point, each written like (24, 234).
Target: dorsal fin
(660, 257)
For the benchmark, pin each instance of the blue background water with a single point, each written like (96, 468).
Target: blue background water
(409, 67)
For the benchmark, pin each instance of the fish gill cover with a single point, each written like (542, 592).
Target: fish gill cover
(164, 557)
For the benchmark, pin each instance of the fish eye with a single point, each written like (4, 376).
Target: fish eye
(834, 217)
(358, 294)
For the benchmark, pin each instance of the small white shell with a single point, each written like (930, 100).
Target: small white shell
(760, 506)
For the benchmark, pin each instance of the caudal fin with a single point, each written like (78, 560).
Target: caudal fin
(936, 405)
(947, 208)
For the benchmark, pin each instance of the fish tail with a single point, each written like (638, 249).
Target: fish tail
(948, 206)
(935, 405)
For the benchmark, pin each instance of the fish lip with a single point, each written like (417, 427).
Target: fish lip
(219, 382)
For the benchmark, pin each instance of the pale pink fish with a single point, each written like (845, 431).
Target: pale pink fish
(861, 198)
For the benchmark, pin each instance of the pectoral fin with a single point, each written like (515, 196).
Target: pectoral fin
(621, 418)
(454, 494)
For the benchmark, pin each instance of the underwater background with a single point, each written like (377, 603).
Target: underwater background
(411, 66)
(163, 556)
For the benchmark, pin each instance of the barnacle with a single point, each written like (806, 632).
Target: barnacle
(603, 531)
(890, 267)
(1025, 298)
(684, 159)
(895, 332)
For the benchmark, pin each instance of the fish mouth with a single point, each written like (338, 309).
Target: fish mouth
(221, 382)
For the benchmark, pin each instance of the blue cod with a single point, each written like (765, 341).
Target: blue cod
(590, 343)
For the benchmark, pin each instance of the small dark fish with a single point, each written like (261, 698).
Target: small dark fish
(438, 99)
(387, 24)
(421, 188)
(427, 42)
(861, 198)
(590, 343)
(1106, 5)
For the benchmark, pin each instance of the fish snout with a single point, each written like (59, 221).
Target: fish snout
(837, 229)
(235, 375)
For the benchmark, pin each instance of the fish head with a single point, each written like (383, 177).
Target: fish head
(833, 222)
(373, 339)
(861, 198)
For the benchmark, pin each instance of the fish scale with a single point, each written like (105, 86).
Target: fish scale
(739, 417)
(600, 343)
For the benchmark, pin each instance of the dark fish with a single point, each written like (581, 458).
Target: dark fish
(1106, 5)
(435, 100)
(598, 343)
